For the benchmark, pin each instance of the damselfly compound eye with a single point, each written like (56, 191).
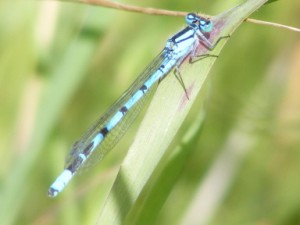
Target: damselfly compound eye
(191, 18)
(206, 25)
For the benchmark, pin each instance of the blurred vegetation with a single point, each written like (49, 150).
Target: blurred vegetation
(62, 64)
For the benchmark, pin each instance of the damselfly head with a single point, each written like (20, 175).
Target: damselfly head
(201, 23)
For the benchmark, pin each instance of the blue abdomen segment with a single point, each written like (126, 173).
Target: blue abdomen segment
(109, 128)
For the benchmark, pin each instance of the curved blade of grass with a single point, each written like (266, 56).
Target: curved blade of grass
(166, 175)
(165, 115)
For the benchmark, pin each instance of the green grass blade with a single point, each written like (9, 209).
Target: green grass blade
(165, 115)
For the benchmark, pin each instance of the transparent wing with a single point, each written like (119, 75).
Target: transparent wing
(119, 130)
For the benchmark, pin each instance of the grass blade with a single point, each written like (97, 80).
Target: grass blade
(165, 115)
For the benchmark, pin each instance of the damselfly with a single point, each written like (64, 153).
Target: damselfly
(111, 126)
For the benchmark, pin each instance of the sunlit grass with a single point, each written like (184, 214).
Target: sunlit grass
(55, 84)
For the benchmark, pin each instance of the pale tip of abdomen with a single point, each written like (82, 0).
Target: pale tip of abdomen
(60, 183)
(52, 192)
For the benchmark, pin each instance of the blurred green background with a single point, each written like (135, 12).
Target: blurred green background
(62, 64)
